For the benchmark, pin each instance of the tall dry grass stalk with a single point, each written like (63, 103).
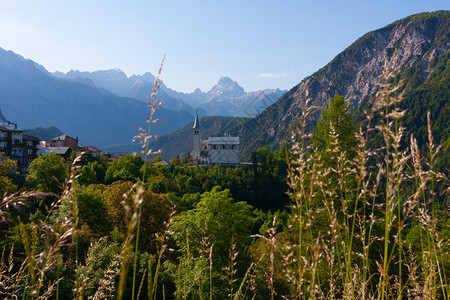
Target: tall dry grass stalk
(43, 242)
(338, 211)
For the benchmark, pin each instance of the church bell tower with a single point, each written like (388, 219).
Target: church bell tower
(196, 131)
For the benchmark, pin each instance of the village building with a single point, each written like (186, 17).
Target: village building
(19, 147)
(94, 151)
(222, 150)
(64, 141)
(31, 144)
(114, 156)
(62, 151)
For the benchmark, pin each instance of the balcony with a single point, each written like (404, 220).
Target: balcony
(16, 155)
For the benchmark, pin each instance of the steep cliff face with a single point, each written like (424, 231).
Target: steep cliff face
(355, 73)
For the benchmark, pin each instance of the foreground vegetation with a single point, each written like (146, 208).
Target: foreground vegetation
(348, 212)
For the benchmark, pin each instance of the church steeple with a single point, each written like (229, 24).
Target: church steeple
(197, 139)
(196, 122)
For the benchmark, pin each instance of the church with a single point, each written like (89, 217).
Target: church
(222, 150)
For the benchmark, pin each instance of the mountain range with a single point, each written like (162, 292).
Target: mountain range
(416, 48)
(106, 108)
(32, 97)
(226, 98)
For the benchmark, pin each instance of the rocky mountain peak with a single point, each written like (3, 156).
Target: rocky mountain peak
(197, 91)
(227, 88)
(226, 81)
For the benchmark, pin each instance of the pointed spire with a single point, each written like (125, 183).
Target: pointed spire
(196, 121)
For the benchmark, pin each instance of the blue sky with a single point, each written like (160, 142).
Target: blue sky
(260, 44)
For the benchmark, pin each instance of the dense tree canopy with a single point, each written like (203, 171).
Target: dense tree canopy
(7, 169)
(336, 117)
(46, 173)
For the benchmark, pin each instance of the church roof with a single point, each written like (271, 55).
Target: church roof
(196, 122)
(224, 140)
(56, 150)
(62, 138)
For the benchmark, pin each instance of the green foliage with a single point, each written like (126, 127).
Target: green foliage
(336, 116)
(92, 173)
(115, 194)
(159, 186)
(155, 210)
(262, 184)
(7, 169)
(92, 210)
(46, 173)
(126, 168)
(432, 96)
(220, 218)
(101, 267)
(215, 221)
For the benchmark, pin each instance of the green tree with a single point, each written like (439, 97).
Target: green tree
(155, 210)
(219, 221)
(125, 168)
(7, 168)
(336, 115)
(92, 173)
(92, 210)
(46, 173)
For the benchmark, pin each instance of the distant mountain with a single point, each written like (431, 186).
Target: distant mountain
(421, 43)
(44, 134)
(32, 97)
(226, 98)
(135, 86)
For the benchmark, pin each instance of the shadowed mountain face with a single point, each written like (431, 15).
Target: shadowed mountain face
(409, 45)
(32, 97)
(135, 86)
